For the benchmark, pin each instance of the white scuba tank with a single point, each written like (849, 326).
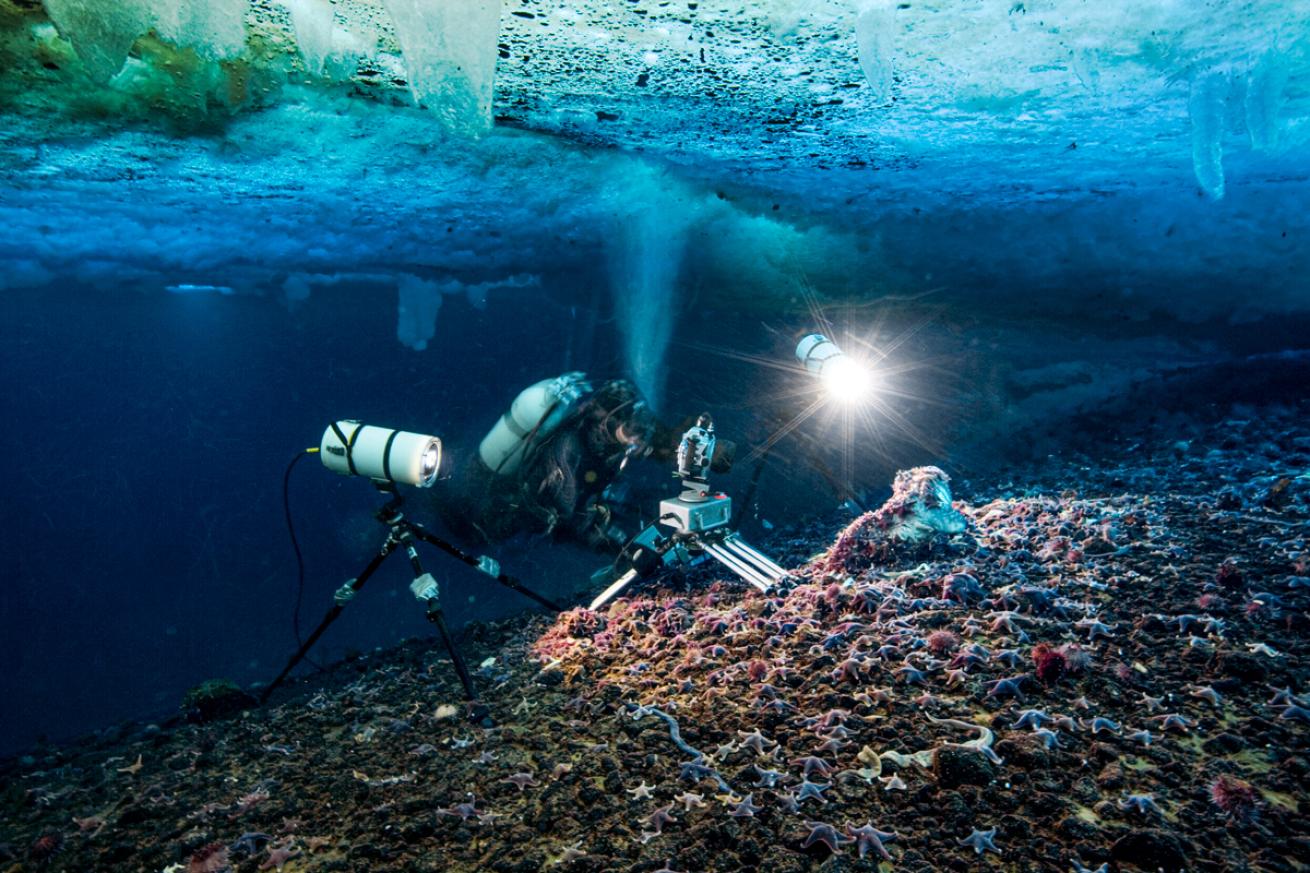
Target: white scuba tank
(534, 415)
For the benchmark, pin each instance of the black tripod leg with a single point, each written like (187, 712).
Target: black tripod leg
(477, 713)
(336, 610)
(428, 593)
(508, 581)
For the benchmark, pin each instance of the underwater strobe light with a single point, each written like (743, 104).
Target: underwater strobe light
(845, 379)
(353, 448)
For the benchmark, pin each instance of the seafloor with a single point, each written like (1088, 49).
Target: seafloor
(1108, 669)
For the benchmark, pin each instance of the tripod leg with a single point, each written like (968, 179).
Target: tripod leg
(342, 598)
(504, 579)
(425, 589)
(478, 713)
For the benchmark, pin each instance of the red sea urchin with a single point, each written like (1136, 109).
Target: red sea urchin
(942, 642)
(1049, 663)
(44, 848)
(1237, 798)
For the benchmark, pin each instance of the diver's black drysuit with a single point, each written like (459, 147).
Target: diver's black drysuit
(558, 488)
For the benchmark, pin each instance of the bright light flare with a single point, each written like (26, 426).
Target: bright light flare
(845, 379)
(848, 381)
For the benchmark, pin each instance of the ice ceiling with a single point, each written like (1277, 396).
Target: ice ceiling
(1090, 156)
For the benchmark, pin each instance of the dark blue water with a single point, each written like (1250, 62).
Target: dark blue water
(143, 529)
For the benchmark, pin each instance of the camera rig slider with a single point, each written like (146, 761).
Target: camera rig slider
(692, 528)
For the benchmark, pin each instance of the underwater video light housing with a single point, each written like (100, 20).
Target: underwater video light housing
(845, 379)
(353, 448)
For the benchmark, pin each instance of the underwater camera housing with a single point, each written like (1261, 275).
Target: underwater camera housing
(352, 448)
(692, 528)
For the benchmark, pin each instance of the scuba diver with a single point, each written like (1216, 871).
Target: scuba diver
(547, 465)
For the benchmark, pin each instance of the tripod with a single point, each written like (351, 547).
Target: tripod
(405, 534)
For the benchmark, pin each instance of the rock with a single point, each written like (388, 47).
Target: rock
(215, 699)
(955, 766)
(1150, 850)
(1242, 666)
(1026, 752)
(1046, 804)
(1085, 791)
(1224, 744)
(784, 861)
(1111, 776)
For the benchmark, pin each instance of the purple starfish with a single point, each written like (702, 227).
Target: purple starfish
(1281, 696)
(695, 770)
(824, 833)
(1009, 657)
(868, 837)
(1099, 724)
(1173, 720)
(660, 817)
(849, 671)
(1048, 738)
(911, 675)
(811, 789)
(464, 811)
(1094, 628)
(981, 841)
(278, 857)
(745, 809)
(522, 780)
(832, 744)
(1008, 687)
(1143, 803)
(964, 660)
(1033, 717)
(755, 741)
(811, 764)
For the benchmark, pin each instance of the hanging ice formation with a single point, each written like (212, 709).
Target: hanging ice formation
(873, 37)
(1205, 108)
(102, 34)
(450, 56)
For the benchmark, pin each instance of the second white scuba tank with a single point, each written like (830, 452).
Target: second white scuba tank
(534, 415)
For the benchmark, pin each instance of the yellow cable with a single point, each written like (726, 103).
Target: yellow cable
(313, 451)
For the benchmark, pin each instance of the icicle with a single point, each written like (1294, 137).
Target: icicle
(416, 313)
(874, 27)
(312, 21)
(214, 29)
(1264, 100)
(450, 56)
(1205, 108)
(102, 37)
(102, 34)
